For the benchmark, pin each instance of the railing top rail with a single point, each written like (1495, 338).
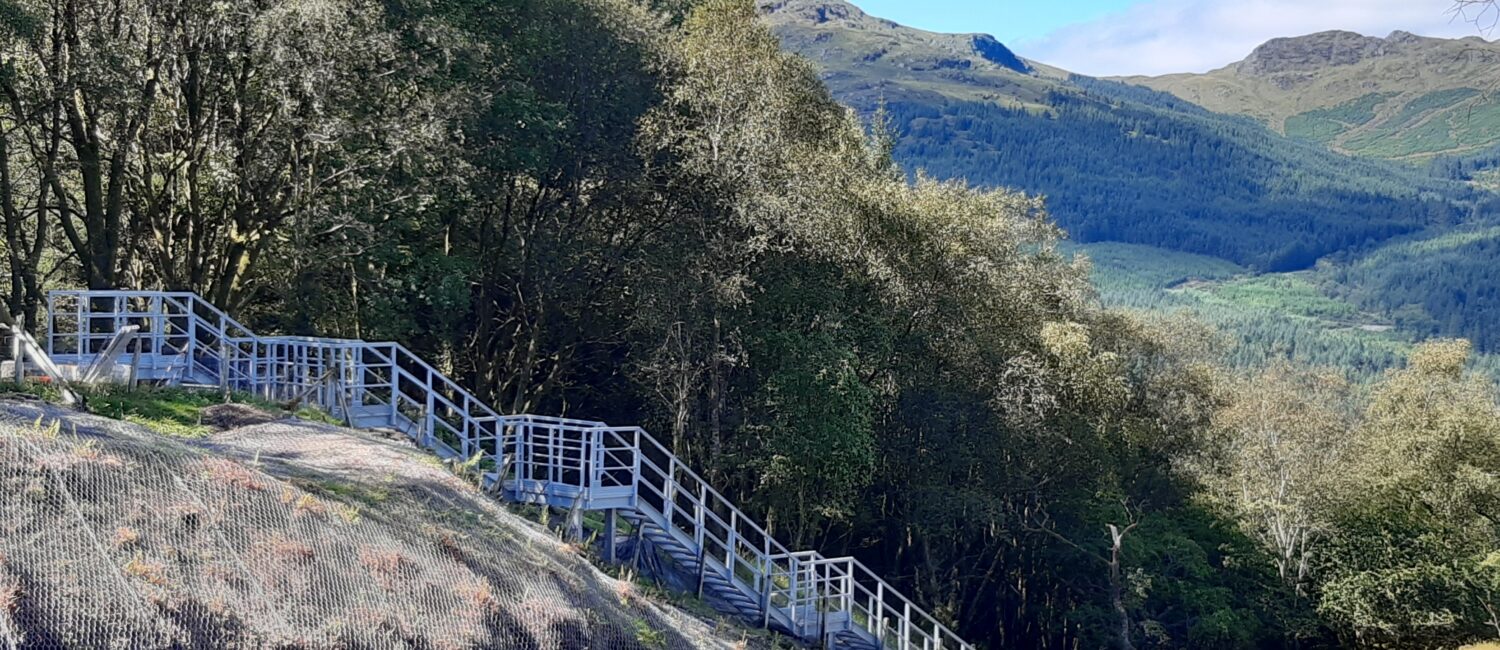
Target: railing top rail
(820, 560)
(114, 293)
(799, 554)
(312, 340)
(549, 419)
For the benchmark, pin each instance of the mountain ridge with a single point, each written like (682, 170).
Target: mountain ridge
(902, 57)
(1401, 97)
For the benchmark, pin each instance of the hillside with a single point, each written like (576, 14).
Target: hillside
(866, 59)
(1403, 97)
(288, 534)
(1116, 162)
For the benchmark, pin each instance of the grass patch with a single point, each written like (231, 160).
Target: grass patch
(366, 494)
(1285, 294)
(173, 412)
(170, 411)
(1118, 266)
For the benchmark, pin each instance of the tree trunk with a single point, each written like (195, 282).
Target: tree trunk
(1117, 585)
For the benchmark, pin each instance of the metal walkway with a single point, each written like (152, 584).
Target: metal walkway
(741, 569)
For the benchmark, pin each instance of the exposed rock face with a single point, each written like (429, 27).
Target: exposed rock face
(1314, 52)
(816, 12)
(922, 50)
(991, 50)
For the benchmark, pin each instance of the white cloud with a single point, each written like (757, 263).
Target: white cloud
(1162, 36)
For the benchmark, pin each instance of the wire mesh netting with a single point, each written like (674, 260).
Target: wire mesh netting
(286, 534)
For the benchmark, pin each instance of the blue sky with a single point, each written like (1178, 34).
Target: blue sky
(1007, 20)
(1120, 37)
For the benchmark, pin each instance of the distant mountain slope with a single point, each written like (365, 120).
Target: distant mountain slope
(1404, 97)
(865, 58)
(1117, 162)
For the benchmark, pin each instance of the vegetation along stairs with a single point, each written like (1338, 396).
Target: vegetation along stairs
(566, 463)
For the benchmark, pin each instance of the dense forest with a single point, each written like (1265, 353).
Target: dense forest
(646, 212)
(1123, 163)
(1437, 284)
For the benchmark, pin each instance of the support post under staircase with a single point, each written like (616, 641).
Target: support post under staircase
(611, 524)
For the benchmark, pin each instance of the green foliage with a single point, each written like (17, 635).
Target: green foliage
(16, 21)
(172, 411)
(1405, 563)
(1392, 581)
(1325, 124)
(1266, 317)
(814, 411)
(1190, 561)
(648, 636)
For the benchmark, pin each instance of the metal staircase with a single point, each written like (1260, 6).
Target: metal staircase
(741, 569)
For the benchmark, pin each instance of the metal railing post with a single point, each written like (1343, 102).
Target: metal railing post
(192, 340)
(701, 523)
(848, 603)
(635, 471)
(18, 358)
(395, 385)
(51, 324)
(732, 543)
(906, 626)
(224, 361)
(427, 421)
(601, 457)
(554, 466)
(794, 576)
(668, 490)
(821, 583)
(523, 454)
(767, 572)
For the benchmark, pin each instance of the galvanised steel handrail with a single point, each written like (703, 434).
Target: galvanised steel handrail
(186, 340)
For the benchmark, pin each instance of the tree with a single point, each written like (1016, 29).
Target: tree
(1485, 14)
(1281, 459)
(176, 139)
(1412, 560)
